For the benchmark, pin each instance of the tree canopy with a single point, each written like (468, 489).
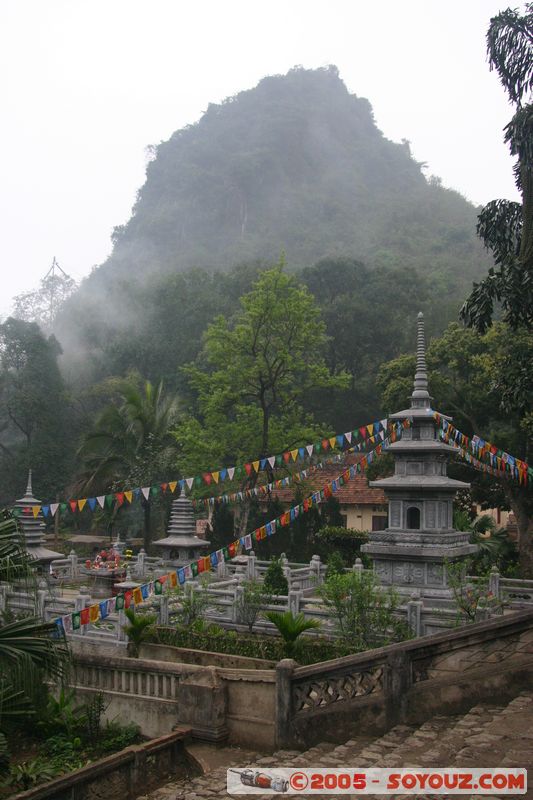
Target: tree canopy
(506, 227)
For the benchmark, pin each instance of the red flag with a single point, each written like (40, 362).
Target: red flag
(84, 616)
(248, 468)
(73, 505)
(119, 497)
(207, 477)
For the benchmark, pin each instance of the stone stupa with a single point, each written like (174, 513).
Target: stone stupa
(182, 545)
(33, 528)
(412, 552)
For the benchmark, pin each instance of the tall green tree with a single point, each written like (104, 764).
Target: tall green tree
(252, 377)
(130, 444)
(506, 227)
(483, 382)
(35, 411)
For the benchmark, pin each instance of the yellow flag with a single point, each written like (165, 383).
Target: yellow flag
(137, 596)
(172, 486)
(81, 504)
(255, 465)
(216, 476)
(333, 441)
(370, 428)
(94, 612)
(128, 496)
(294, 454)
(36, 510)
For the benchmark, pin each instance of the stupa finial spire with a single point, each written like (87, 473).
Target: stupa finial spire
(420, 397)
(29, 489)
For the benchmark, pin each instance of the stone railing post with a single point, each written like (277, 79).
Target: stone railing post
(397, 682)
(82, 601)
(284, 670)
(73, 564)
(294, 599)
(314, 569)
(221, 570)
(482, 610)
(251, 566)
(414, 613)
(141, 563)
(237, 600)
(358, 567)
(285, 567)
(494, 582)
(122, 620)
(40, 600)
(163, 612)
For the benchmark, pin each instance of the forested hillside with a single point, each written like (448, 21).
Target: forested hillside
(295, 165)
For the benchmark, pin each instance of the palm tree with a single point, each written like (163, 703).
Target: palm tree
(138, 629)
(506, 227)
(291, 627)
(130, 444)
(29, 648)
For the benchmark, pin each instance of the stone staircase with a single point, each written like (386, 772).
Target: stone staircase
(486, 736)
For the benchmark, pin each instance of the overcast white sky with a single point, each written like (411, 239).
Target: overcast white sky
(86, 85)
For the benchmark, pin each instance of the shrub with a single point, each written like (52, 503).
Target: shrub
(363, 612)
(275, 581)
(335, 564)
(250, 602)
(115, 737)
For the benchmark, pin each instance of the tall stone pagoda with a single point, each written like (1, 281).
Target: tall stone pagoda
(33, 528)
(182, 545)
(411, 552)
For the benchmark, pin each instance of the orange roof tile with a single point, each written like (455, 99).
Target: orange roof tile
(355, 492)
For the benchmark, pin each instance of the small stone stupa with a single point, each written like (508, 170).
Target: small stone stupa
(182, 545)
(33, 528)
(412, 551)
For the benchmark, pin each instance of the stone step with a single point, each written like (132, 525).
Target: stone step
(487, 735)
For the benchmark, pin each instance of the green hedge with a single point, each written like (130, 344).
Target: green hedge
(270, 648)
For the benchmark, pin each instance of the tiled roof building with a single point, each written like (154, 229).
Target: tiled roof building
(363, 507)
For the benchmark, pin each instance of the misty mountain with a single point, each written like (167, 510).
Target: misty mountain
(295, 165)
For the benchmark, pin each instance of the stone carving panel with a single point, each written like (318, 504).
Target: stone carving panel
(414, 468)
(312, 695)
(431, 514)
(395, 514)
(383, 570)
(400, 573)
(435, 574)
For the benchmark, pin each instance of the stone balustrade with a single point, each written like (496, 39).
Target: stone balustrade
(403, 683)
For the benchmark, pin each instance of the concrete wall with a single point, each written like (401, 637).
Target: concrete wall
(121, 776)
(359, 517)
(218, 704)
